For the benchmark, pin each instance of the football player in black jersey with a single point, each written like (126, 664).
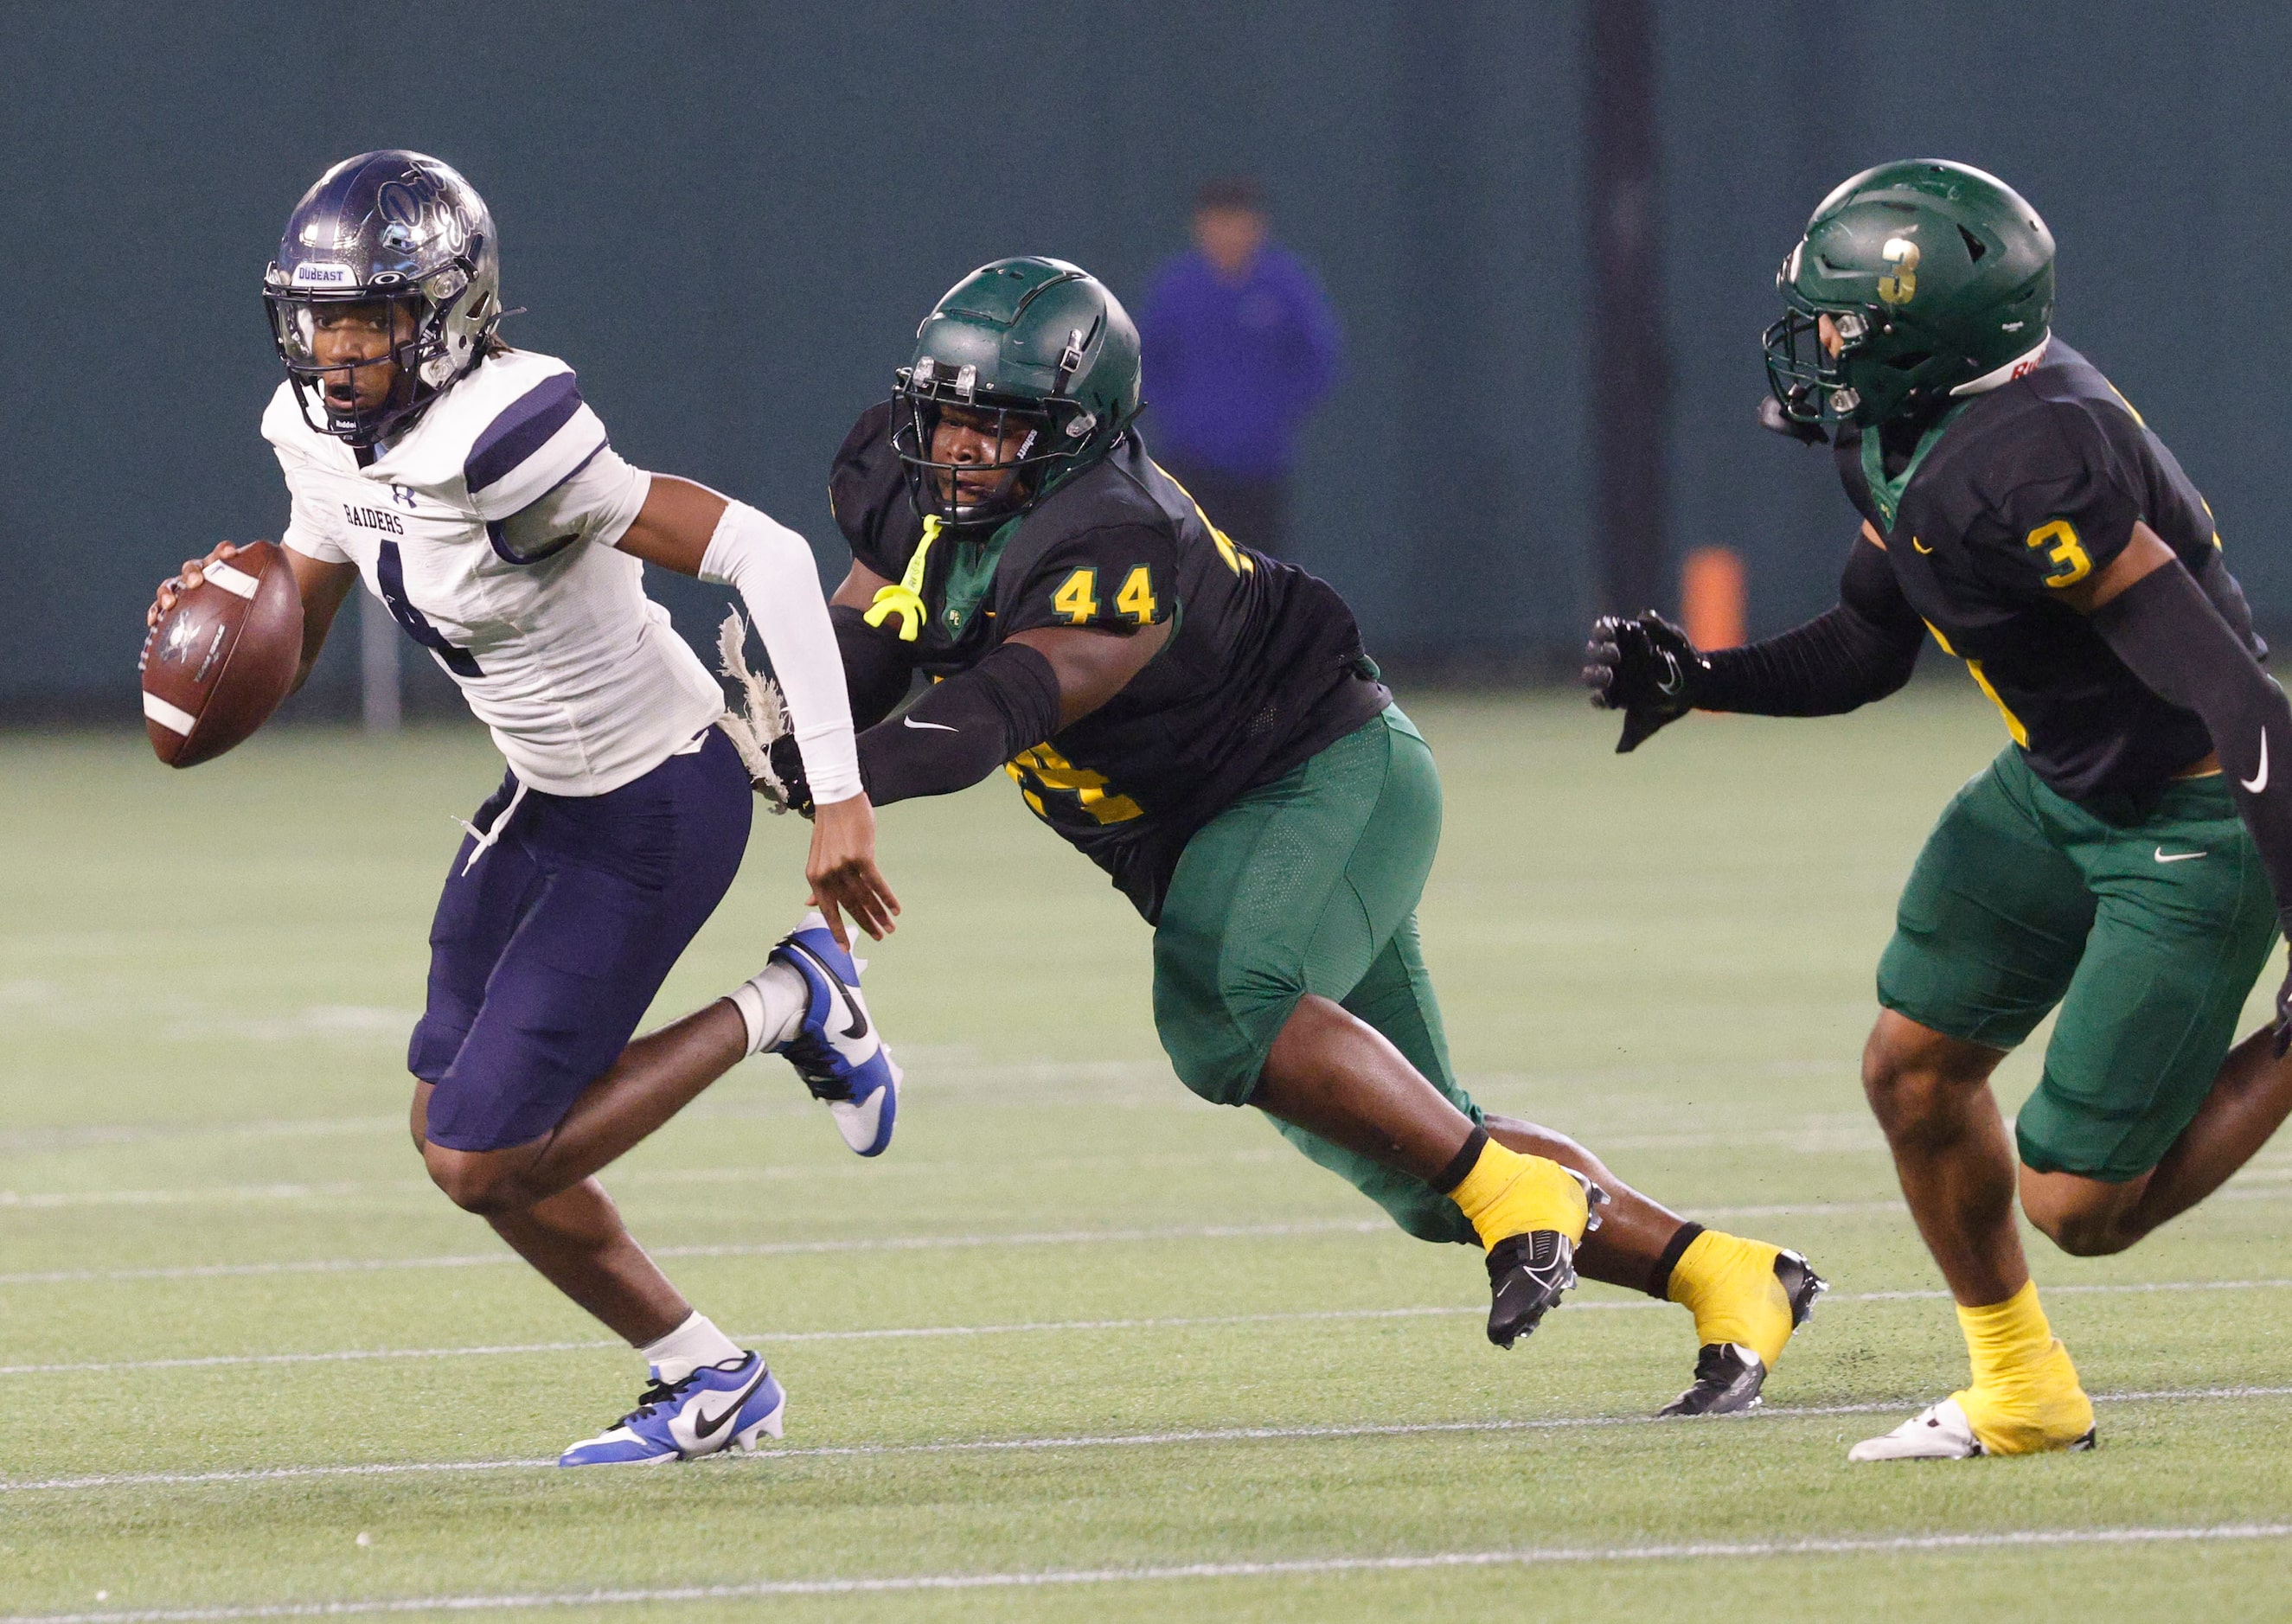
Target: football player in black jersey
(2128, 857)
(1201, 721)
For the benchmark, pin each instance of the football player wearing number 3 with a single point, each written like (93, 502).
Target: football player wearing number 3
(1200, 721)
(2128, 858)
(475, 494)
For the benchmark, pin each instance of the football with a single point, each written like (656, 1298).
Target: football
(217, 664)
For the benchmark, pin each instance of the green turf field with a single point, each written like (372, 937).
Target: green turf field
(1079, 1345)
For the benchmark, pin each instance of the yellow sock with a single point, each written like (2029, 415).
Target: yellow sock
(2025, 1395)
(1507, 1194)
(1729, 1285)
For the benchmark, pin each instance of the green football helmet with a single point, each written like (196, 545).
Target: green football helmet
(1935, 275)
(1042, 358)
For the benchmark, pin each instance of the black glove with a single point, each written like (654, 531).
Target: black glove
(1775, 419)
(1644, 667)
(794, 792)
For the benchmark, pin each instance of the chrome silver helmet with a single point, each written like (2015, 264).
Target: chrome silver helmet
(399, 229)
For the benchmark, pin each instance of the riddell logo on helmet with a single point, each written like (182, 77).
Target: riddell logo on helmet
(321, 275)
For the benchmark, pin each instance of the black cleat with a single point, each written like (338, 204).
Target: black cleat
(1728, 1376)
(1801, 1284)
(1527, 1272)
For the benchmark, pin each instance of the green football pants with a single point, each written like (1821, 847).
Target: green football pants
(2147, 923)
(1309, 885)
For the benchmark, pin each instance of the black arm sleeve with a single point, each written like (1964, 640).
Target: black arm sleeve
(2170, 635)
(875, 665)
(1861, 650)
(964, 730)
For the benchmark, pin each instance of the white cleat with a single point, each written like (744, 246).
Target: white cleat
(1939, 1431)
(718, 1408)
(835, 1049)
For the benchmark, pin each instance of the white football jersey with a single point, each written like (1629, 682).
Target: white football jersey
(488, 529)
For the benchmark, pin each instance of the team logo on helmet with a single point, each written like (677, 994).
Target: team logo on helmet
(418, 212)
(1902, 287)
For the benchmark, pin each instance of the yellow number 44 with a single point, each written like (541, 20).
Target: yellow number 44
(1136, 597)
(1078, 599)
(2071, 562)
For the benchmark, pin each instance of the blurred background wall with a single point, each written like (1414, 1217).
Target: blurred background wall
(730, 217)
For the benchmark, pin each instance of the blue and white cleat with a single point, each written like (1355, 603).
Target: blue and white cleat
(836, 1050)
(718, 1407)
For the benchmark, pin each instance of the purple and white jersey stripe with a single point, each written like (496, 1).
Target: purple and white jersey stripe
(488, 529)
(535, 443)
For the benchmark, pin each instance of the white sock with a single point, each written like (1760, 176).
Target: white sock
(771, 1004)
(691, 1344)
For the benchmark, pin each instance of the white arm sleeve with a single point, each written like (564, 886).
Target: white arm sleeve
(771, 567)
(597, 502)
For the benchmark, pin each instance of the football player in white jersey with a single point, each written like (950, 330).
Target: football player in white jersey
(469, 487)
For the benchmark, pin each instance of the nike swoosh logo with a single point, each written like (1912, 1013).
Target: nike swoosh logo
(706, 1426)
(1918, 546)
(936, 726)
(1670, 685)
(2177, 857)
(2259, 780)
(858, 1029)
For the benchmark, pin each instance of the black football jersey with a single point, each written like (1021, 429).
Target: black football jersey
(1263, 669)
(2020, 493)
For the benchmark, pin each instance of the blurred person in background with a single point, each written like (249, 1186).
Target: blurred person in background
(1245, 345)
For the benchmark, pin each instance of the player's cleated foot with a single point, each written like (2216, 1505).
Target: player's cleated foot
(1527, 1272)
(1942, 1432)
(2038, 1410)
(1729, 1375)
(836, 1050)
(719, 1407)
(1939, 1431)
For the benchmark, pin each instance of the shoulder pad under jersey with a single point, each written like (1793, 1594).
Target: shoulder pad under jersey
(505, 435)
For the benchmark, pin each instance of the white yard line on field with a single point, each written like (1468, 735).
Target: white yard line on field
(647, 1178)
(42, 1140)
(988, 1446)
(219, 1193)
(2262, 1182)
(868, 1243)
(1040, 1327)
(928, 1074)
(1304, 1567)
(1292, 1567)
(629, 1178)
(746, 1249)
(902, 1243)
